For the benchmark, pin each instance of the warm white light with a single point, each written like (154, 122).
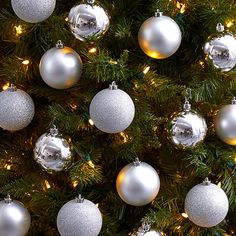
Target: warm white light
(146, 69)
(91, 122)
(6, 86)
(48, 186)
(185, 215)
(92, 50)
(25, 62)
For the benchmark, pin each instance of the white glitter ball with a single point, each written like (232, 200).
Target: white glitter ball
(206, 205)
(33, 11)
(16, 110)
(79, 219)
(112, 110)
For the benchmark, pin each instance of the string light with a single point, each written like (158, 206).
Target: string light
(66, 19)
(90, 163)
(92, 50)
(25, 62)
(47, 185)
(19, 30)
(6, 86)
(229, 23)
(146, 69)
(97, 204)
(8, 166)
(75, 183)
(124, 136)
(91, 122)
(181, 7)
(178, 227)
(113, 62)
(185, 215)
(219, 184)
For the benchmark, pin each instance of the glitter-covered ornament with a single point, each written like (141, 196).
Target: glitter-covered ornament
(52, 152)
(186, 129)
(88, 21)
(79, 217)
(138, 183)
(225, 123)
(206, 204)
(33, 11)
(159, 36)
(112, 110)
(221, 49)
(16, 109)
(60, 67)
(15, 219)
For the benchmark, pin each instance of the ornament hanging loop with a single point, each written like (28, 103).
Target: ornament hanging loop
(90, 1)
(59, 44)
(137, 162)
(113, 86)
(54, 131)
(206, 181)
(234, 101)
(8, 199)
(12, 88)
(187, 105)
(146, 227)
(220, 28)
(79, 199)
(158, 13)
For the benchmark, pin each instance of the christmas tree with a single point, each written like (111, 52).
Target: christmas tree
(96, 152)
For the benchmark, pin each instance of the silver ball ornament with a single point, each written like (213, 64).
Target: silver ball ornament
(15, 219)
(16, 109)
(225, 123)
(112, 110)
(153, 233)
(186, 129)
(88, 21)
(138, 183)
(221, 49)
(79, 217)
(206, 204)
(60, 67)
(52, 152)
(33, 11)
(160, 36)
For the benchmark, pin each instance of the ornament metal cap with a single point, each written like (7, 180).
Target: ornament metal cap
(54, 131)
(79, 199)
(145, 227)
(113, 86)
(186, 106)
(90, 1)
(137, 162)
(12, 88)
(158, 13)
(59, 44)
(206, 181)
(8, 199)
(220, 27)
(234, 101)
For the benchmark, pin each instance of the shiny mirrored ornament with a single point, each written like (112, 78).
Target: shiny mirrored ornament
(79, 217)
(16, 109)
(159, 36)
(15, 219)
(186, 129)
(60, 67)
(221, 49)
(206, 204)
(145, 230)
(112, 110)
(33, 11)
(225, 123)
(88, 21)
(138, 183)
(52, 152)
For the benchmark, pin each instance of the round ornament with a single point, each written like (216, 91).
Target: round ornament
(60, 67)
(112, 110)
(221, 49)
(145, 230)
(225, 123)
(15, 219)
(138, 183)
(88, 21)
(52, 152)
(187, 128)
(79, 217)
(160, 36)
(16, 109)
(33, 11)
(206, 204)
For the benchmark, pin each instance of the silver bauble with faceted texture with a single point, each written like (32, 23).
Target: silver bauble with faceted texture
(33, 11)
(16, 109)
(79, 217)
(88, 21)
(187, 128)
(221, 49)
(225, 123)
(159, 36)
(60, 67)
(138, 183)
(52, 152)
(206, 204)
(112, 110)
(15, 219)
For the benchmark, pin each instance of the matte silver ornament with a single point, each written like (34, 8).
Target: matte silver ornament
(79, 217)
(206, 204)
(15, 219)
(60, 67)
(52, 152)
(33, 11)
(187, 128)
(221, 49)
(160, 36)
(138, 183)
(88, 21)
(16, 109)
(225, 123)
(112, 110)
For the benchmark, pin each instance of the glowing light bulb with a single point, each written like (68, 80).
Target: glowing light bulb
(91, 164)
(229, 23)
(93, 50)
(25, 62)
(48, 186)
(19, 30)
(185, 215)
(91, 122)
(75, 183)
(146, 69)
(6, 86)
